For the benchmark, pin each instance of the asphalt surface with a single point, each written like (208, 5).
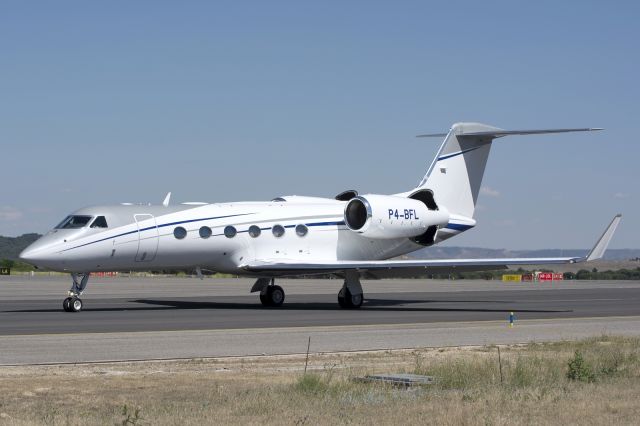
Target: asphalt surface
(138, 318)
(149, 313)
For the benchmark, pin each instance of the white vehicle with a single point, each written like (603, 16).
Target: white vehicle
(350, 236)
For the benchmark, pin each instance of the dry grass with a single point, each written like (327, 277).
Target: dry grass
(273, 390)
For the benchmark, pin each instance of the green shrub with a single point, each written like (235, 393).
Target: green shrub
(311, 384)
(579, 369)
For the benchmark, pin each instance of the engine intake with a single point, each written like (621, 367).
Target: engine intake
(389, 216)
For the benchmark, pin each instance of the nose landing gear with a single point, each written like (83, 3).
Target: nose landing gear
(73, 303)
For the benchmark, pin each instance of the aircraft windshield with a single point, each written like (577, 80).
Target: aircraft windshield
(74, 222)
(100, 222)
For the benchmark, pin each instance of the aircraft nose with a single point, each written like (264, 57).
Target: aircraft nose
(38, 252)
(29, 255)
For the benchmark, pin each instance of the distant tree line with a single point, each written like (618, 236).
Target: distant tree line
(583, 274)
(594, 274)
(16, 265)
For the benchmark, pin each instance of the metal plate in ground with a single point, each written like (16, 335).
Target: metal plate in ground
(399, 379)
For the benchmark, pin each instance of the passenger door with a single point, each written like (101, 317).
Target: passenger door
(147, 237)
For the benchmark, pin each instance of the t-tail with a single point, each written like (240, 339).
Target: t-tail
(455, 175)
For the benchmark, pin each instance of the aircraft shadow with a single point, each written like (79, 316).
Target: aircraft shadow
(370, 305)
(391, 305)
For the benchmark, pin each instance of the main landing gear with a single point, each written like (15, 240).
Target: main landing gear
(350, 295)
(271, 295)
(73, 303)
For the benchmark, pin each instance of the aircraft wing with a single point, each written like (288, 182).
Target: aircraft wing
(415, 268)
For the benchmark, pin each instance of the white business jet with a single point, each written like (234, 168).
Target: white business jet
(350, 236)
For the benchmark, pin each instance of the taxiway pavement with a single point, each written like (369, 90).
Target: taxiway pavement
(159, 318)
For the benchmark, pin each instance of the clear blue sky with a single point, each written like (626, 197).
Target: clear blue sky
(108, 102)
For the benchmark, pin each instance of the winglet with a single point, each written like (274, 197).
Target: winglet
(601, 246)
(166, 199)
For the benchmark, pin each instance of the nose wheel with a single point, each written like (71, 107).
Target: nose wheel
(72, 304)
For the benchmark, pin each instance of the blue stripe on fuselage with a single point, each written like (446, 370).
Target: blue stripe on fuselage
(325, 223)
(458, 226)
(197, 220)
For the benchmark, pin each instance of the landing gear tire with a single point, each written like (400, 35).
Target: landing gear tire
(264, 299)
(347, 300)
(341, 300)
(272, 296)
(72, 304)
(76, 305)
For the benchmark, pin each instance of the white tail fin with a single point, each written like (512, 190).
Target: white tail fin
(455, 175)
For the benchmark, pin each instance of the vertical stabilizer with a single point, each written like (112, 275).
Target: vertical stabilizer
(456, 173)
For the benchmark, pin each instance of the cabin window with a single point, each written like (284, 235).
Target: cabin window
(254, 231)
(205, 232)
(230, 231)
(100, 222)
(74, 222)
(301, 230)
(179, 232)
(278, 231)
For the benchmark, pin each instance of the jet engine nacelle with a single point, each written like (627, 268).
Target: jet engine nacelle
(389, 216)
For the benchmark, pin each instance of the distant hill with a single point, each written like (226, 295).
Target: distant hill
(438, 252)
(10, 247)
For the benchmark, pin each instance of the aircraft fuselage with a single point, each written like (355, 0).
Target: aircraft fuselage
(146, 237)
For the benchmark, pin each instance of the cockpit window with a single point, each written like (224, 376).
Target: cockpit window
(100, 222)
(74, 222)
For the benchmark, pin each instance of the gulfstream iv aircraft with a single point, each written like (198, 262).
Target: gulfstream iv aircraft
(350, 236)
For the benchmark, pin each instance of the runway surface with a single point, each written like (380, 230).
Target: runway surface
(140, 318)
(231, 312)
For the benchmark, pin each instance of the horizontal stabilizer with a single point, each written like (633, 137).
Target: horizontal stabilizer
(500, 133)
(432, 135)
